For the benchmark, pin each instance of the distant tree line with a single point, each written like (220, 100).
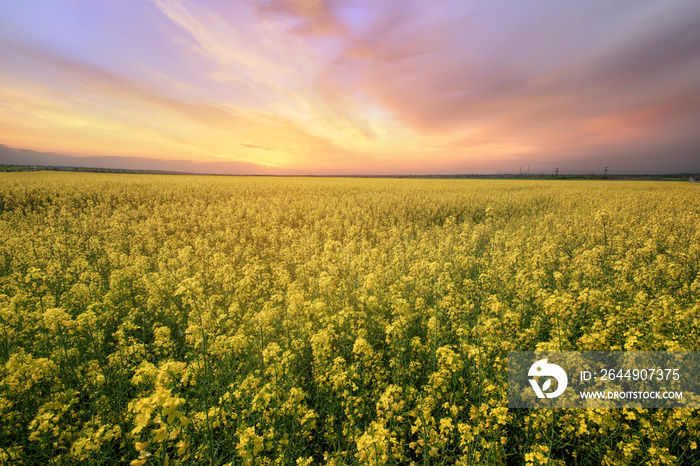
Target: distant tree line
(34, 168)
(495, 176)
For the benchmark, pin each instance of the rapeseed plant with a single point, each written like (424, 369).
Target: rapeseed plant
(187, 320)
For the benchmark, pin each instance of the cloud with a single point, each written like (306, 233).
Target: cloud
(262, 46)
(253, 146)
(309, 17)
(81, 106)
(533, 76)
(11, 156)
(79, 76)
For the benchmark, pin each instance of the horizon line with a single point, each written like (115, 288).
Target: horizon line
(123, 170)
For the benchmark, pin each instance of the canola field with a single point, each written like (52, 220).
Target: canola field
(152, 320)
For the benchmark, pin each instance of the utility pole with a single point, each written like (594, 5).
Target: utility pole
(606, 171)
(556, 172)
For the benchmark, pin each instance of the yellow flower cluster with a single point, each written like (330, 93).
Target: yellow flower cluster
(229, 320)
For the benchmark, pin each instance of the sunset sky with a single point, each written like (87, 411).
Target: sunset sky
(352, 86)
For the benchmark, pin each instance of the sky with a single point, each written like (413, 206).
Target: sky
(352, 86)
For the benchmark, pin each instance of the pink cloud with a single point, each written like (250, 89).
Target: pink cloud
(540, 83)
(308, 17)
